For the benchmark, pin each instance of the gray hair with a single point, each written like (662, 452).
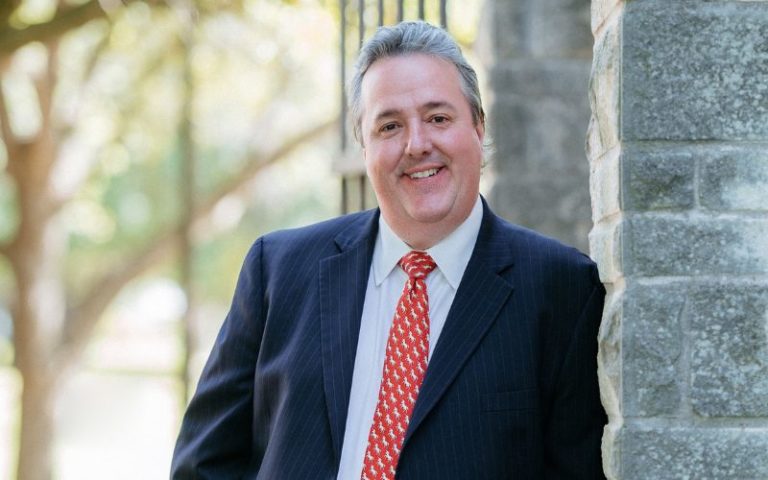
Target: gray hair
(410, 38)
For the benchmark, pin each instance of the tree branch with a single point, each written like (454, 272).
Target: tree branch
(45, 83)
(255, 165)
(10, 140)
(157, 60)
(11, 39)
(6, 10)
(82, 319)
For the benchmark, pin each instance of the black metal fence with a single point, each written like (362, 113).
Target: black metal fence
(358, 20)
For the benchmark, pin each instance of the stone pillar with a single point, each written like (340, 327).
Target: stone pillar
(678, 149)
(538, 53)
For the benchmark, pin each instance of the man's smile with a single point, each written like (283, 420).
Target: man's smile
(424, 173)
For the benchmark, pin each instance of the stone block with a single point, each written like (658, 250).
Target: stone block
(605, 249)
(604, 88)
(609, 375)
(508, 26)
(729, 364)
(560, 28)
(734, 178)
(555, 204)
(652, 349)
(669, 453)
(664, 245)
(538, 122)
(540, 116)
(541, 28)
(604, 184)
(657, 178)
(565, 79)
(602, 10)
(694, 70)
(506, 121)
(609, 355)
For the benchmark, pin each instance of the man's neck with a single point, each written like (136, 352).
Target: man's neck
(422, 236)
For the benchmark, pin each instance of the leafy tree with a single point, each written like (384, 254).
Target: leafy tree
(100, 110)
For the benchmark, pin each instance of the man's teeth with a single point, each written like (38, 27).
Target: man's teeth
(425, 173)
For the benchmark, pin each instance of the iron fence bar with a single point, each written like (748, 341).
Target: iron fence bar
(361, 21)
(381, 13)
(443, 14)
(400, 10)
(363, 180)
(187, 195)
(343, 76)
(344, 196)
(343, 109)
(421, 9)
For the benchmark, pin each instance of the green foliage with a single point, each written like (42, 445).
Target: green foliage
(255, 81)
(261, 71)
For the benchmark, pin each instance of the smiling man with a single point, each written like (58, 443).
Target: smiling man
(425, 339)
(423, 147)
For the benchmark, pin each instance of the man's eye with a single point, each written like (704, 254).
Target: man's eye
(388, 127)
(439, 119)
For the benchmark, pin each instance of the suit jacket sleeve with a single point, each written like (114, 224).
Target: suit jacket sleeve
(576, 418)
(215, 440)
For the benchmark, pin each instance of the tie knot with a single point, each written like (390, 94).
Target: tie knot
(417, 264)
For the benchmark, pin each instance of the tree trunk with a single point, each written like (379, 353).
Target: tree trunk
(40, 307)
(37, 320)
(37, 427)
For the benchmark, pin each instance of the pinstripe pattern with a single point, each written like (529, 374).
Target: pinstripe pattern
(343, 279)
(510, 392)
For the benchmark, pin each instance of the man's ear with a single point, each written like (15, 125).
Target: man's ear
(480, 129)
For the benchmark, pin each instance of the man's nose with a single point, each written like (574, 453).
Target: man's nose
(419, 142)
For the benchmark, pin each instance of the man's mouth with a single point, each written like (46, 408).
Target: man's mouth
(424, 173)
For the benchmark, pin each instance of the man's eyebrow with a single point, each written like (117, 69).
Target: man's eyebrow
(437, 104)
(390, 112)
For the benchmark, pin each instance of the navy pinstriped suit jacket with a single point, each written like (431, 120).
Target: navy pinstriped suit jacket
(510, 392)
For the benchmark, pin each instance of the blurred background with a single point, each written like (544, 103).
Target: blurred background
(145, 145)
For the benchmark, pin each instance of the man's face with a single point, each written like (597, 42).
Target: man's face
(423, 153)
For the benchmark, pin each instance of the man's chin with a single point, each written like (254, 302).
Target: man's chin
(428, 216)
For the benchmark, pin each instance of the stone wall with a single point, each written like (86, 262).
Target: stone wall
(538, 55)
(678, 148)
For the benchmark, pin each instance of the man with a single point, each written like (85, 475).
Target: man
(427, 339)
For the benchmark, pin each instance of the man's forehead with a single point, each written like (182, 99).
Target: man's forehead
(392, 81)
(406, 63)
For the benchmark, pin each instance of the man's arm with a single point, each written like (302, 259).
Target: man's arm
(576, 417)
(215, 441)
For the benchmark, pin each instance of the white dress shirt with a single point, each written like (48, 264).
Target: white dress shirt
(385, 285)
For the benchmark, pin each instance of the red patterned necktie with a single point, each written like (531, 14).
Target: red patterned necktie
(404, 368)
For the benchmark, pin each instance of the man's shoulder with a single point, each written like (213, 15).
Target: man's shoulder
(543, 264)
(536, 248)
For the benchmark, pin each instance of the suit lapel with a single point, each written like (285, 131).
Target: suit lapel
(343, 280)
(478, 300)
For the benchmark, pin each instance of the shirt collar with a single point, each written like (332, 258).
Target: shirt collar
(451, 254)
